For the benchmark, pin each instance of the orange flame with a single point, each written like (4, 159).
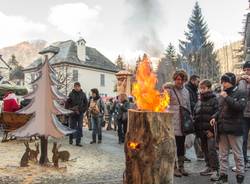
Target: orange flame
(133, 145)
(147, 97)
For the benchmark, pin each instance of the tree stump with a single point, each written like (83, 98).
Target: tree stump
(149, 148)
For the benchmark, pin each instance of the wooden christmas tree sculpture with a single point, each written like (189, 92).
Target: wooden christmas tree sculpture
(44, 106)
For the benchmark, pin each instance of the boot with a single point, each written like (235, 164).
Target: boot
(215, 176)
(176, 171)
(240, 179)
(207, 172)
(186, 159)
(181, 166)
(223, 179)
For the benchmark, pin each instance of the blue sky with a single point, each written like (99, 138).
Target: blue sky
(104, 23)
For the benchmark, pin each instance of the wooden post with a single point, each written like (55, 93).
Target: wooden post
(44, 151)
(124, 85)
(149, 148)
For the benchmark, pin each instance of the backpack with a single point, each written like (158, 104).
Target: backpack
(94, 109)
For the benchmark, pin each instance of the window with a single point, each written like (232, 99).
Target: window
(102, 80)
(75, 75)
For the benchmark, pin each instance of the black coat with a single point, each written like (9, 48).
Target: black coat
(122, 109)
(230, 114)
(193, 93)
(77, 101)
(205, 108)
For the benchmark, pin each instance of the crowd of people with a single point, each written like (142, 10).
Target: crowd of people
(116, 111)
(221, 119)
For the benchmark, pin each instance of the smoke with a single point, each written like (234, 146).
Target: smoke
(144, 24)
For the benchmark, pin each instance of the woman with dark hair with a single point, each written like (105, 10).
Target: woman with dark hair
(179, 96)
(96, 109)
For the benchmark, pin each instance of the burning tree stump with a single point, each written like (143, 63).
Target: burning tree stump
(149, 148)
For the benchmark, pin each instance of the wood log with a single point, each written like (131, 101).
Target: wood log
(149, 148)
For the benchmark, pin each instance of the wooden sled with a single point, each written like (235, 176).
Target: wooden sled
(11, 121)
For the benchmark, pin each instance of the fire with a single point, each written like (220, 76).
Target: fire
(147, 97)
(133, 145)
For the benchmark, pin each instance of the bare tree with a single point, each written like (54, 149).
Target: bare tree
(65, 78)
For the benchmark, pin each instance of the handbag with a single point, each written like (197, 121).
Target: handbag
(187, 123)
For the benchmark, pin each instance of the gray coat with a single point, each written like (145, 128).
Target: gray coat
(174, 106)
(245, 87)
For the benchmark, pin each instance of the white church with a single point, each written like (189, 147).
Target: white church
(75, 62)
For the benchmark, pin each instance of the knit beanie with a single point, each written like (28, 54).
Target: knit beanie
(229, 77)
(246, 64)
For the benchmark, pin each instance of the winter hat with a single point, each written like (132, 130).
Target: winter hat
(246, 64)
(229, 77)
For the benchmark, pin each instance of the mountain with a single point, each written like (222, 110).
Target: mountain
(26, 52)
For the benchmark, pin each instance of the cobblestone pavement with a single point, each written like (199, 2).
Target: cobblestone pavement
(90, 164)
(197, 166)
(98, 163)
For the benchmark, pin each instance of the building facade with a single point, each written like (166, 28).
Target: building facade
(229, 57)
(75, 62)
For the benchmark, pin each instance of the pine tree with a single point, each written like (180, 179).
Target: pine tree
(172, 56)
(197, 49)
(167, 65)
(120, 63)
(137, 64)
(170, 52)
(45, 106)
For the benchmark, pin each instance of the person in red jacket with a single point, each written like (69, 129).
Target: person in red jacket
(10, 103)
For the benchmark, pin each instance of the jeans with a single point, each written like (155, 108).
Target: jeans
(122, 130)
(246, 125)
(110, 121)
(180, 145)
(208, 146)
(96, 128)
(75, 123)
(198, 147)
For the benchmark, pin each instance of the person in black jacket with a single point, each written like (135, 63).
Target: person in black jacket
(206, 107)
(192, 87)
(228, 119)
(77, 102)
(244, 85)
(122, 117)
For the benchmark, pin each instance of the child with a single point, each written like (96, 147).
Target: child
(205, 108)
(232, 103)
